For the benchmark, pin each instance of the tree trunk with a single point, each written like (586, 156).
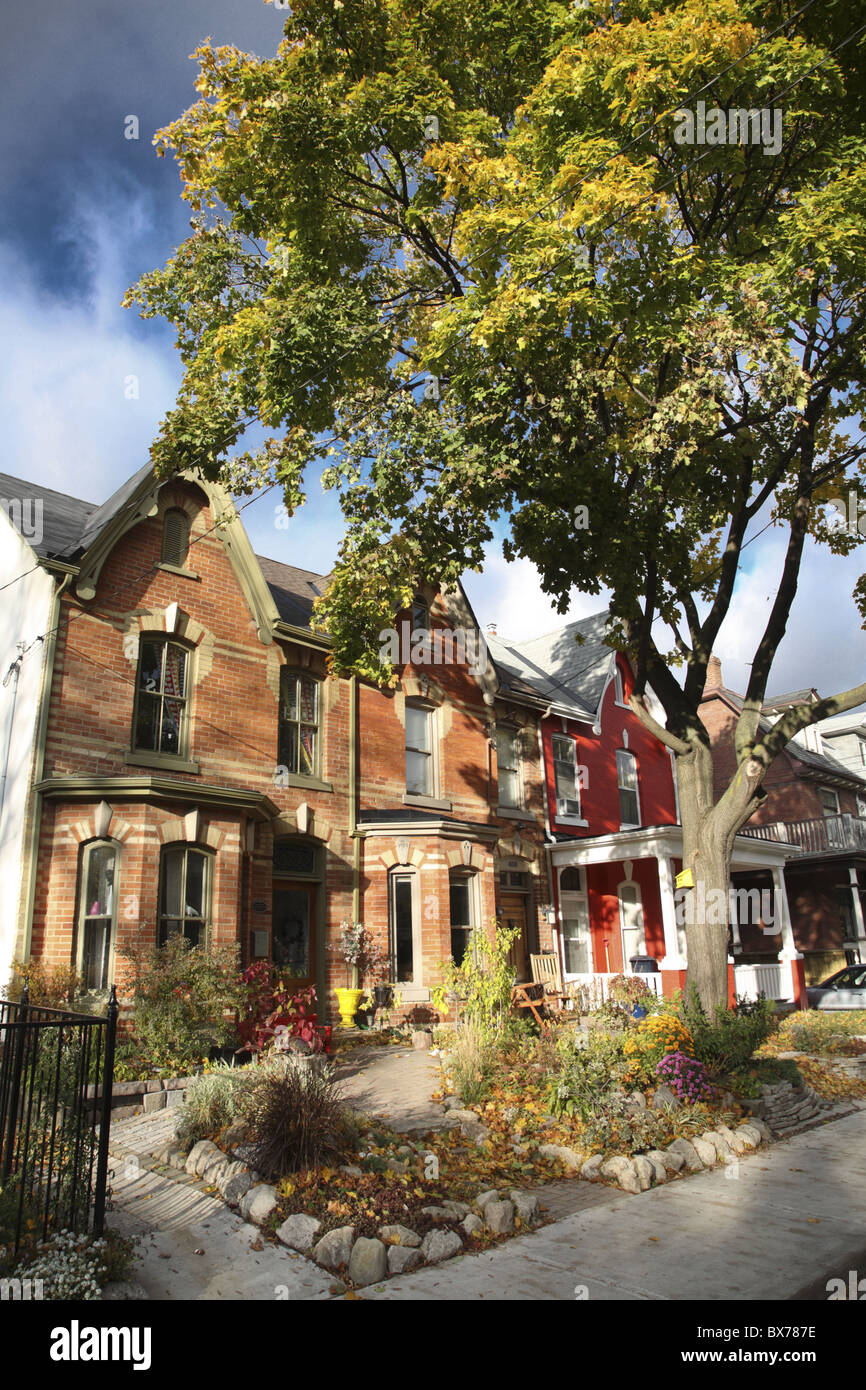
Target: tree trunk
(708, 836)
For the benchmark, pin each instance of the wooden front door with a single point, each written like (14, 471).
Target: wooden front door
(514, 915)
(294, 932)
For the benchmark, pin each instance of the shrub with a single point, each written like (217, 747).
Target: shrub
(727, 1041)
(763, 1071)
(471, 1062)
(296, 1120)
(827, 1034)
(211, 1102)
(654, 1038)
(182, 994)
(615, 1127)
(70, 1267)
(484, 979)
(52, 986)
(592, 1066)
(686, 1077)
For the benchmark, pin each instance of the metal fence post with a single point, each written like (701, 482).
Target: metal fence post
(15, 1086)
(105, 1121)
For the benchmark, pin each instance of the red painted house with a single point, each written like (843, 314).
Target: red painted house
(612, 816)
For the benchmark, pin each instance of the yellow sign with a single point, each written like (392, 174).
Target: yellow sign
(686, 879)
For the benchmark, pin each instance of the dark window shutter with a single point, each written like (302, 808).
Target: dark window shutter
(175, 537)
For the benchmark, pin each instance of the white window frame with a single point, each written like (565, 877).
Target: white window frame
(569, 897)
(619, 689)
(82, 917)
(829, 791)
(631, 884)
(562, 812)
(626, 753)
(513, 735)
(414, 989)
(206, 918)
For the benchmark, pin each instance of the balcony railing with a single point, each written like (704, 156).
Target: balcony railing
(820, 836)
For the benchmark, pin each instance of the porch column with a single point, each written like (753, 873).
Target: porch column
(858, 907)
(789, 953)
(673, 960)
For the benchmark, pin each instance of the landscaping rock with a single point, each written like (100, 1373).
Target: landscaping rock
(458, 1209)
(645, 1171)
(177, 1159)
(499, 1218)
(472, 1224)
(402, 1258)
(565, 1155)
(621, 1171)
(762, 1128)
(399, 1235)
(735, 1141)
(352, 1170)
(664, 1099)
(637, 1099)
(689, 1153)
(440, 1245)
(258, 1203)
(705, 1151)
(456, 1118)
(368, 1262)
(720, 1144)
(166, 1153)
(394, 1165)
(334, 1250)
(215, 1168)
(154, 1100)
(657, 1159)
(453, 1102)
(674, 1161)
(299, 1232)
(589, 1169)
(526, 1206)
(235, 1134)
(750, 1135)
(484, 1197)
(173, 1099)
(438, 1213)
(235, 1188)
(200, 1154)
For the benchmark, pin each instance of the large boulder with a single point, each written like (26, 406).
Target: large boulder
(236, 1186)
(664, 1099)
(499, 1217)
(645, 1171)
(258, 1203)
(689, 1154)
(334, 1250)
(368, 1262)
(399, 1235)
(657, 1159)
(298, 1232)
(563, 1154)
(402, 1258)
(440, 1245)
(674, 1161)
(621, 1171)
(526, 1206)
(705, 1151)
(590, 1169)
(200, 1154)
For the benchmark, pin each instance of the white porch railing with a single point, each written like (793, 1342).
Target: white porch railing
(772, 980)
(593, 989)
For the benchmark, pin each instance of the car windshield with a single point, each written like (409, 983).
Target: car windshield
(854, 977)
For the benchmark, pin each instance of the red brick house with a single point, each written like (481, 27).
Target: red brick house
(612, 815)
(816, 806)
(195, 769)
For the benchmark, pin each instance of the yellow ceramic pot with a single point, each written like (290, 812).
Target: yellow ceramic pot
(348, 1002)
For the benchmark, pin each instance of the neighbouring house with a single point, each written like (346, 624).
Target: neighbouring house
(844, 737)
(613, 821)
(184, 762)
(815, 805)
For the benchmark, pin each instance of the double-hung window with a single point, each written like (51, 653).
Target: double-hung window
(97, 913)
(298, 739)
(162, 697)
(565, 776)
(184, 894)
(419, 750)
(626, 777)
(508, 764)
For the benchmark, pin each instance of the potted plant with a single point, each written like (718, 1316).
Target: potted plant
(364, 959)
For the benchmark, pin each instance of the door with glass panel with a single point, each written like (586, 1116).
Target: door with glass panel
(293, 939)
(631, 923)
(575, 933)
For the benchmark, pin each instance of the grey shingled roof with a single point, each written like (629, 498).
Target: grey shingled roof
(555, 667)
(63, 518)
(294, 590)
(821, 762)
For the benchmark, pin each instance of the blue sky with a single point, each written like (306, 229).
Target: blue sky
(87, 211)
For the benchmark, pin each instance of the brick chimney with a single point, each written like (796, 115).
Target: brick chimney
(714, 674)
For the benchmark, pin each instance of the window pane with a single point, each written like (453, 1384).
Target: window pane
(175, 671)
(625, 771)
(94, 965)
(628, 812)
(460, 905)
(403, 953)
(420, 615)
(99, 893)
(417, 728)
(418, 773)
(576, 940)
(288, 747)
(195, 884)
(150, 664)
(289, 703)
(309, 692)
(172, 877)
(307, 752)
(172, 720)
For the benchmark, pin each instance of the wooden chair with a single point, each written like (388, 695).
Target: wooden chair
(545, 971)
(531, 997)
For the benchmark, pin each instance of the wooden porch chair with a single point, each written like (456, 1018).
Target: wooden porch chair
(531, 997)
(545, 971)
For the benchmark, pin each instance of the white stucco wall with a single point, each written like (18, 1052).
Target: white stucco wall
(25, 611)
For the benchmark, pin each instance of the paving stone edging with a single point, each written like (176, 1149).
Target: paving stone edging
(130, 1098)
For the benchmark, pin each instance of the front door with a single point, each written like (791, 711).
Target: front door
(294, 943)
(514, 915)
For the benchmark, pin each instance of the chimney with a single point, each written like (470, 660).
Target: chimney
(714, 674)
(491, 629)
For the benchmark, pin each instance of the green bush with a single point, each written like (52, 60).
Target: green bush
(182, 994)
(484, 979)
(592, 1065)
(727, 1041)
(763, 1071)
(614, 1127)
(296, 1120)
(211, 1101)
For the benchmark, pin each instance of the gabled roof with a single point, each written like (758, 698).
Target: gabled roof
(556, 668)
(63, 518)
(851, 722)
(818, 762)
(808, 696)
(294, 590)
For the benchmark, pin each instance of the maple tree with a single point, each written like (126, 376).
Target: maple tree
(457, 254)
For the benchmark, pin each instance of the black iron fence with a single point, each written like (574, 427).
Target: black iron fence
(56, 1070)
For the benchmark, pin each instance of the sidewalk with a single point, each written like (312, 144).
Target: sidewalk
(791, 1212)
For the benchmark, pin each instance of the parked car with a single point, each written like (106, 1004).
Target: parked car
(844, 990)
